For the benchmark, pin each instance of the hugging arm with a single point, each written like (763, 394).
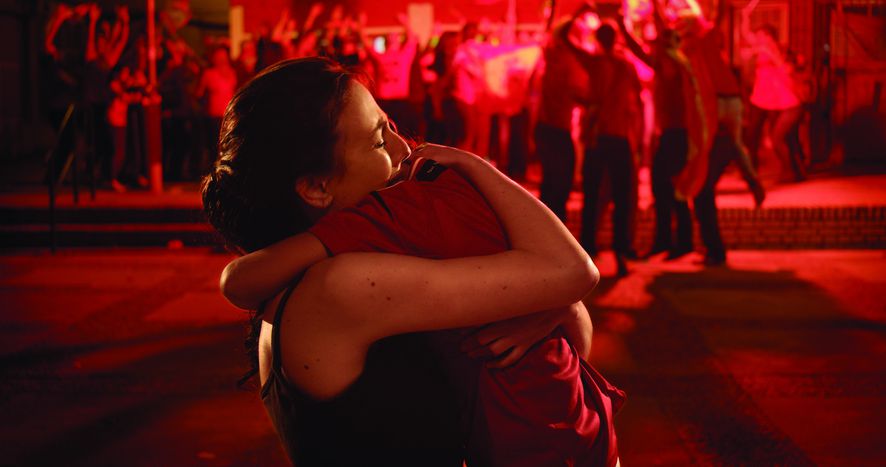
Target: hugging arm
(390, 294)
(505, 342)
(546, 269)
(253, 278)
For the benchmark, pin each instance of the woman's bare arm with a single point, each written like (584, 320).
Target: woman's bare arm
(382, 294)
(253, 278)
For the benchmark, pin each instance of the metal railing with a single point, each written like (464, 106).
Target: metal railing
(75, 139)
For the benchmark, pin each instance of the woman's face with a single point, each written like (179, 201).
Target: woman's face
(369, 149)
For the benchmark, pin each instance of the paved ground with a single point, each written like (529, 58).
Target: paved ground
(129, 357)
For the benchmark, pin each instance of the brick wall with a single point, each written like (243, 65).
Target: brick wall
(772, 228)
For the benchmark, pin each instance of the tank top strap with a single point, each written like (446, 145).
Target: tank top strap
(278, 318)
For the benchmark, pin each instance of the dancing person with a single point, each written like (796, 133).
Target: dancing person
(674, 97)
(178, 110)
(393, 75)
(773, 96)
(104, 45)
(247, 61)
(369, 148)
(702, 41)
(217, 86)
(469, 91)
(805, 88)
(128, 89)
(610, 124)
(445, 123)
(563, 84)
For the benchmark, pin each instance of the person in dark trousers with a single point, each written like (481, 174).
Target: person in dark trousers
(563, 85)
(671, 95)
(612, 115)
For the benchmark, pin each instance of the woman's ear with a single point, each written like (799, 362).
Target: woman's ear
(313, 191)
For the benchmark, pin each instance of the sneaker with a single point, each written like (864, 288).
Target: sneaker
(759, 195)
(621, 266)
(678, 253)
(117, 186)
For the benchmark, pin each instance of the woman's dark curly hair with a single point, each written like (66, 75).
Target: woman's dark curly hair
(279, 127)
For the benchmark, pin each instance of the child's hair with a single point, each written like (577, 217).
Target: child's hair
(279, 127)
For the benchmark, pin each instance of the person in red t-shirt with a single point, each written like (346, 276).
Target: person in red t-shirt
(325, 371)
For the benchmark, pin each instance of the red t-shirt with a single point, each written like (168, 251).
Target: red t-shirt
(551, 407)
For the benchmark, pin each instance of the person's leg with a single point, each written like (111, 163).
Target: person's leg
(705, 204)
(621, 169)
(785, 122)
(135, 151)
(756, 121)
(482, 133)
(592, 175)
(518, 145)
(662, 194)
(557, 155)
(469, 127)
(730, 114)
(795, 148)
(453, 123)
(681, 207)
(118, 134)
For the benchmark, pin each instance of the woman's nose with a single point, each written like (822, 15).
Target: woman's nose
(401, 148)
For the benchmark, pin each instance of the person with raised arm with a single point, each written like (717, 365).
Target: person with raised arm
(675, 94)
(773, 96)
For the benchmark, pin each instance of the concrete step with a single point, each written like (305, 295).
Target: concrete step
(13, 216)
(110, 235)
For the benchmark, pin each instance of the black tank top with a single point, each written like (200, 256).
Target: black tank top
(399, 412)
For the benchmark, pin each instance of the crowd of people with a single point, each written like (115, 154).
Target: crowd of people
(669, 63)
(651, 88)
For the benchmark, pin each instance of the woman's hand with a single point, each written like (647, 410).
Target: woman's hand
(448, 156)
(505, 342)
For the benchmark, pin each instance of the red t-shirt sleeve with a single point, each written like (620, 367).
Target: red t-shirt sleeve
(367, 226)
(435, 214)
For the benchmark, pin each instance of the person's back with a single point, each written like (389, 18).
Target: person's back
(548, 408)
(401, 411)
(670, 102)
(563, 82)
(618, 91)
